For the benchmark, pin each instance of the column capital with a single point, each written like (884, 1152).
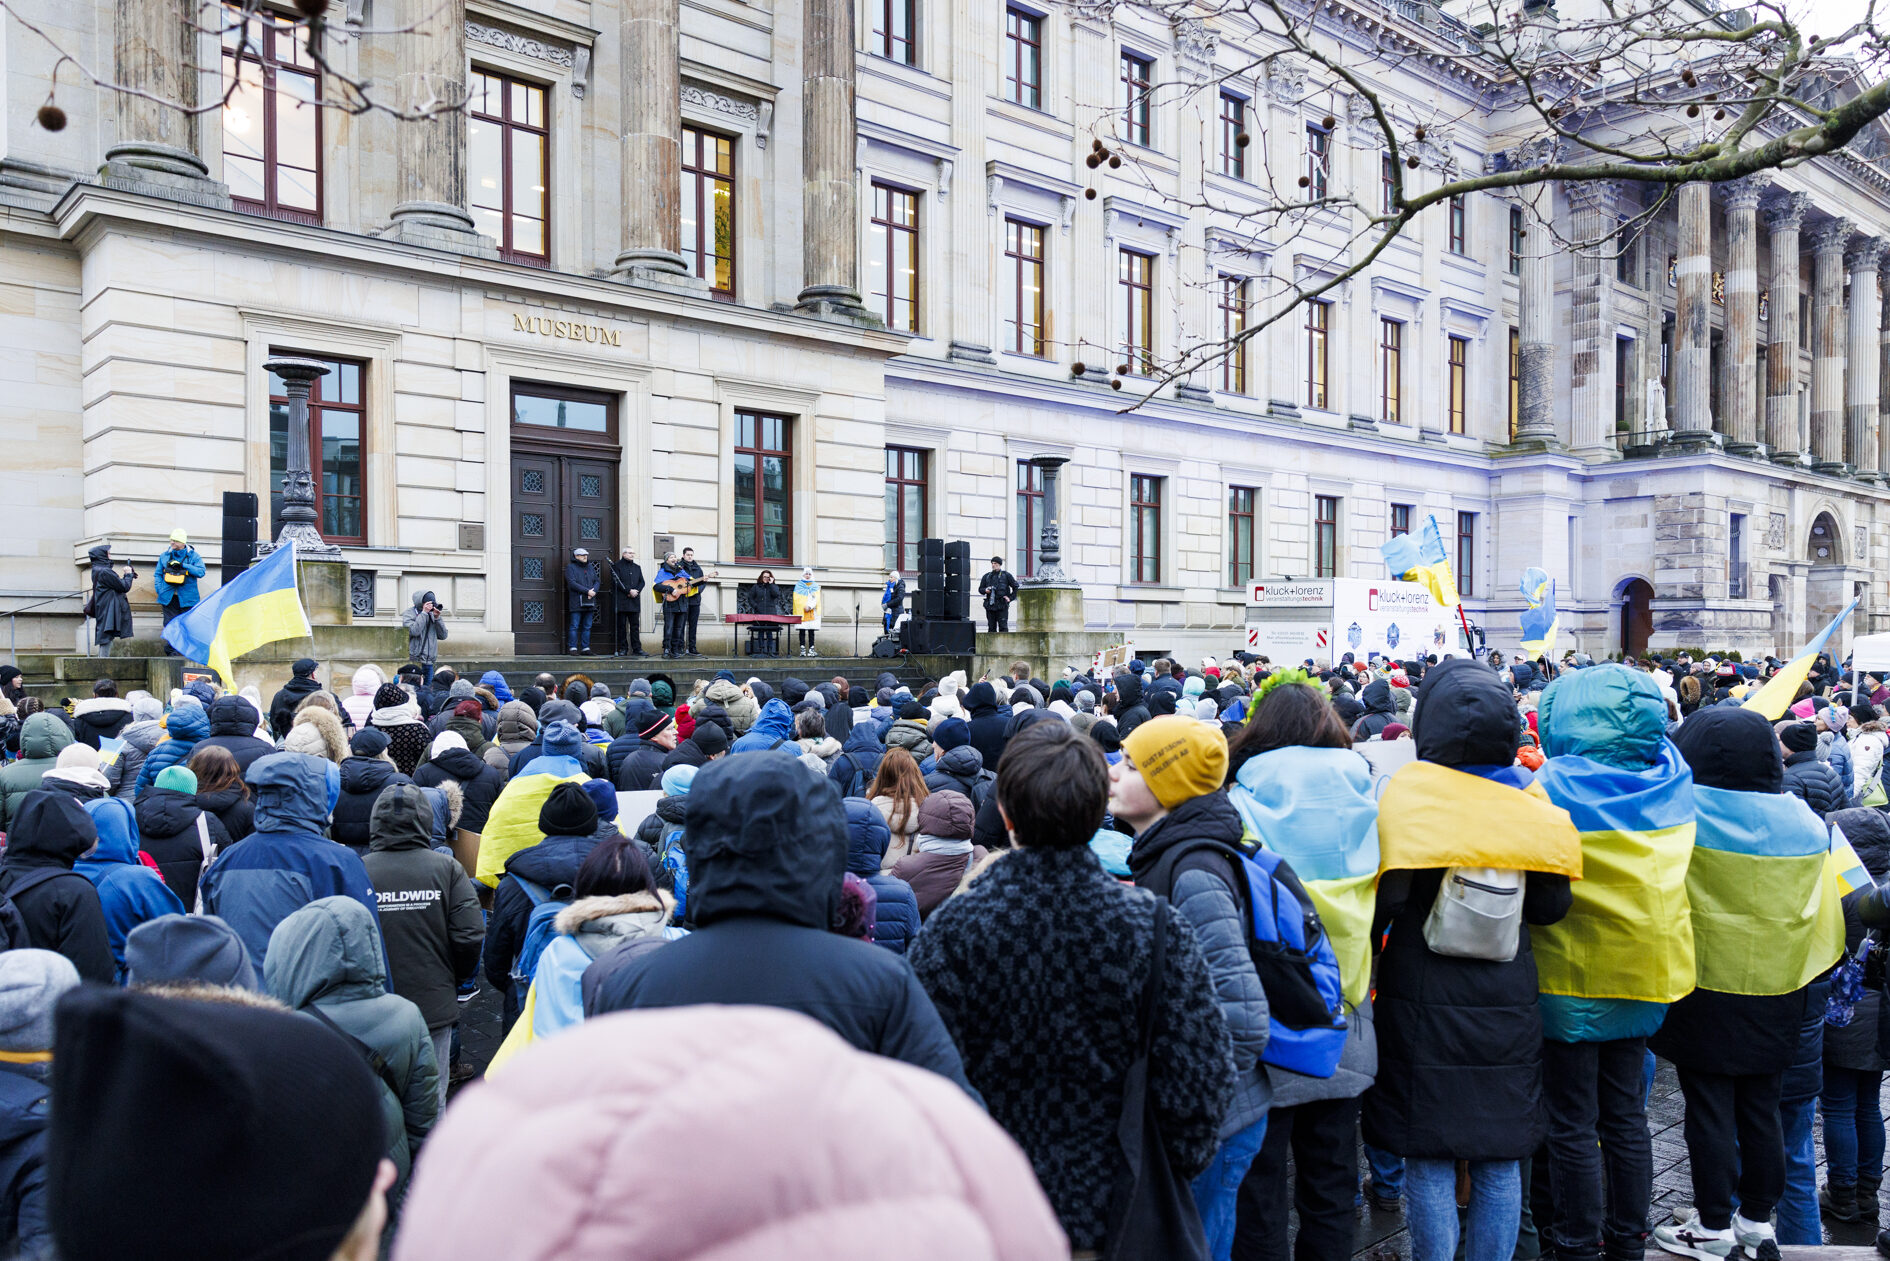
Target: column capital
(1592, 196)
(1865, 254)
(1786, 213)
(1531, 154)
(1744, 193)
(1831, 236)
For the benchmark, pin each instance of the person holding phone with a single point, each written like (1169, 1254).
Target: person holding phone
(178, 568)
(110, 603)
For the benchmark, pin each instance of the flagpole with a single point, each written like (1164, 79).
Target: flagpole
(1463, 618)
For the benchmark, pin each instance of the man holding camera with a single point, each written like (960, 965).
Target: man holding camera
(178, 568)
(425, 629)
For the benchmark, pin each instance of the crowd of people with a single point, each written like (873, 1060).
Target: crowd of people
(1122, 964)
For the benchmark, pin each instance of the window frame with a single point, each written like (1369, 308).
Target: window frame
(1515, 380)
(1136, 114)
(1318, 161)
(705, 180)
(1401, 518)
(1623, 367)
(1138, 308)
(1387, 181)
(261, 55)
(887, 224)
(898, 484)
(1233, 303)
(504, 122)
(1318, 354)
(758, 452)
(1325, 556)
(1460, 224)
(886, 41)
(1023, 30)
(1145, 511)
(1233, 154)
(1028, 504)
(1457, 401)
(1242, 517)
(318, 410)
(1515, 240)
(1624, 243)
(1466, 553)
(1390, 370)
(1018, 264)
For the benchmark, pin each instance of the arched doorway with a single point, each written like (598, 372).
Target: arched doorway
(1824, 546)
(1637, 616)
(1827, 587)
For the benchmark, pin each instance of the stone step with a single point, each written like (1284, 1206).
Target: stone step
(619, 671)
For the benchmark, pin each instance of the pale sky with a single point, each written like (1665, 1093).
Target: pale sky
(1827, 17)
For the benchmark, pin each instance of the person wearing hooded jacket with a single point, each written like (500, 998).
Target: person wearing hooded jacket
(358, 706)
(129, 893)
(986, 722)
(397, 716)
(282, 705)
(233, 722)
(187, 724)
(767, 849)
(429, 915)
(170, 832)
(1380, 710)
(479, 781)
(287, 862)
(60, 907)
(102, 715)
(1812, 781)
(1130, 709)
(959, 766)
(426, 627)
(853, 768)
(774, 725)
(362, 777)
(43, 737)
(944, 851)
(896, 917)
(111, 606)
(326, 960)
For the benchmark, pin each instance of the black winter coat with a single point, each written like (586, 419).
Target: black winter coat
(362, 779)
(1380, 710)
(626, 577)
(167, 830)
(282, 704)
(579, 581)
(853, 768)
(962, 770)
(1459, 1040)
(1131, 712)
(1856, 1045)
(430, 919)
(111, 605)
(100, 717)
(233, 723)
(478, 780)
(552, 862)
(987, 724)
(50, 829)
(639, 767)
(234, 807)
(1815, 783)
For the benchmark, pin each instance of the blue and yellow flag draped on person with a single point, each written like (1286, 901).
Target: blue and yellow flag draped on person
(1421, 558)
(1435, 816)
(257, 607)
(1539, 621)
(1781, 689)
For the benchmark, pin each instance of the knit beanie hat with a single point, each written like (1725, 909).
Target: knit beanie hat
(462, 689)
(662, 693)
(884, 696)
(83, 756)
(1179, 759)
(199, 948)
(1800, 737)
(710, 738)
(1086, 701)
(533, 696)
(658, 723)
(603, 795)
(389, 696)
(444, 741)
(224, 1130)
(31, 981)
(568, 811)
(950, 733)
(856, 697)
(677, 780)
(1104, 733)
(561, 739)
(470, 708)
(369, 742)
(179, 779)
(912, 711)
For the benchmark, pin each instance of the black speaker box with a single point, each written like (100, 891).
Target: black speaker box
(239, 532)
(931, 547)
(885, 646)
(945, 637)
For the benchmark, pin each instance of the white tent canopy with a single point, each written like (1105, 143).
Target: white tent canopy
(1871, 653)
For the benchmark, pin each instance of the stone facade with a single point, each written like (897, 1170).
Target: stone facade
(139, 299)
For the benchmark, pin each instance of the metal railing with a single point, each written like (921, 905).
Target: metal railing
(40, 600)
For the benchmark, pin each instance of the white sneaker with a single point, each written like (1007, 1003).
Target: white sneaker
(1755, 1239)
(1689, 1238)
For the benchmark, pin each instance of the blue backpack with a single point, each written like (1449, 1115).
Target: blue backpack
(674, 863)
(1292, 955)
(540, 929)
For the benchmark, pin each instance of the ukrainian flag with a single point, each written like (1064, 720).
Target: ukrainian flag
(1422, 558)
(1763, 885)
(1852, 875)
(512, 824)
(1781, 690)
(1629, 934)
(257, 607)
(1539, 621)
(1434, 816)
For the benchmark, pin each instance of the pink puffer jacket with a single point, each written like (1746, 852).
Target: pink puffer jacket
(737, 1133)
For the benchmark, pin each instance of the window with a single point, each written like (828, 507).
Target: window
(1666, 352)
(1023, 257)
(1135, 76)
(337, 433)
(1145, 522)
(1623, 374)
(905, 506)
(1466, 552)
(1736, 557)
(1387, 182)
(1233, 136)
(1515, 381)
(1023, 57)
(1325, 536)
(1400, 519)
(1318, 160)
(1240, 501)
(1233, 303)
(892, 257)
(507, 155)
(1134, 278)
(1804, 325)
(1459, 382)
(764, 509)
(1391, 371)
(1624, 252)
(272, 129)
(1029, 517)
(893, 31)
(1515, 240)
(1459, 224)
(1316, 323)
(708, 209)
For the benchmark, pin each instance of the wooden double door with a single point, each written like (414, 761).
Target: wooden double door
(561, 499)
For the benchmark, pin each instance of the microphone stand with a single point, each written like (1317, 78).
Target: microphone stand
(857, 601)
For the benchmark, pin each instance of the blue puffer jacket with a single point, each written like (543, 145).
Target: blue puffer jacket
(775, 723)
(853, 768)
(897, 916)
(286, 863)
(129, 892)
(184, 728)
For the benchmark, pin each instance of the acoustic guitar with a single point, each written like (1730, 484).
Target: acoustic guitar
(675, 589)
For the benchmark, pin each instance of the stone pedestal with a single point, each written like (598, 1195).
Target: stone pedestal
(1050, 608)
(1050, 634)
(325, 592)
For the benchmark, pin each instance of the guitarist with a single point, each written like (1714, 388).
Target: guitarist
(672, 583)
(695, 595)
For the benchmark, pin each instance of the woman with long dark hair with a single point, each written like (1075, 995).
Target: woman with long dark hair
(898, 789)
(221, 790)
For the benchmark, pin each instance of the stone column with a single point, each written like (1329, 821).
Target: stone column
(1860, 386)
(1827, 345)
(430, 88)
(1783, 217)
(1535, 323)
(1693, 300)
(1742, 314)
(652, 142)
(1883, 373)
(1591, 306)
(830, 251)
(155, 60)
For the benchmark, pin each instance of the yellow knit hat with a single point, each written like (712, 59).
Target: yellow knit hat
(1179, 758)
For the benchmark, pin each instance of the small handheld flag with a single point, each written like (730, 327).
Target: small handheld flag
(1851, 873)
(1781, 690)
(257, 607)
(1540, 623)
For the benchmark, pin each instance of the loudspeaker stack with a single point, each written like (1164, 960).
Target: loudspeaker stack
(239, 532)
